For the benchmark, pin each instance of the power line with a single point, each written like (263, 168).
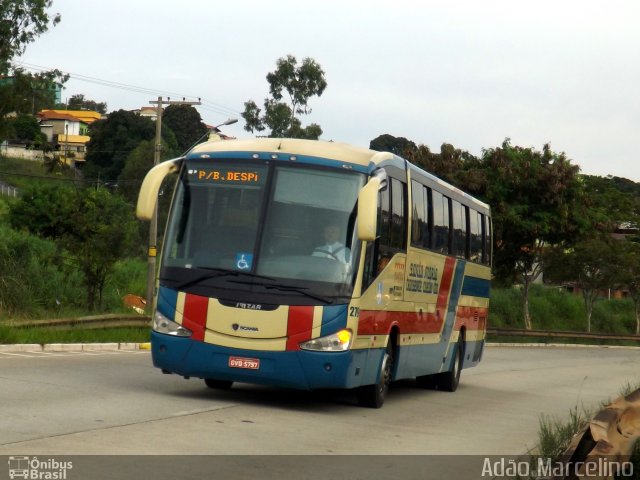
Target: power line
(207, 104)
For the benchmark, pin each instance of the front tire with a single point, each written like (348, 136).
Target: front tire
(373, 396)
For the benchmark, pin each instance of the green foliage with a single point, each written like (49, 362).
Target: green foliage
(26, 93)
(32, 276)
(554, 435)
(608, 203)
(114, 138)
(27, 129)
(186, 124)
(299, 83)
(397, 145)
(48, 335)
(557, 309)
(95, 227)
(21, 21)
(79, 102)
(592, 265)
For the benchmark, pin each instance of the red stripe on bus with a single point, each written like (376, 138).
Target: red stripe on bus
(473, 318)
(195, 315)
(299, 326)
(374, 322)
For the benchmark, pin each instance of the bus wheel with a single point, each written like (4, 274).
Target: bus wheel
(218, 384)
(372, 396)
(448, 381)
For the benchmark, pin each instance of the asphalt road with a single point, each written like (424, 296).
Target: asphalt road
(117, 403)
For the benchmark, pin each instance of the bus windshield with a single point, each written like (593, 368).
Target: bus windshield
(265, 227)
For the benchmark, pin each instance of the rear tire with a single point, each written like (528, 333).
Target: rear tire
(218, 384)
(448, 381)
(373, 396)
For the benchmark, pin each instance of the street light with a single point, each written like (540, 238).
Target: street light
(210, 133)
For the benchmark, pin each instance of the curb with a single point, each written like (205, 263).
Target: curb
(101, 347)
(559, 345)
(73, 347)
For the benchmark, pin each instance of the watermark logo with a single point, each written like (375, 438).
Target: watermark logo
(32, 468)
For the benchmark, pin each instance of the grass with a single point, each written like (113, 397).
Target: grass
(50, 335)
(556, 309)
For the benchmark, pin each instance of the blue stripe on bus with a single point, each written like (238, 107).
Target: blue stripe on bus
(476, 287)
(284, 157)
(456, 285)
(167, 302)
(334, 318)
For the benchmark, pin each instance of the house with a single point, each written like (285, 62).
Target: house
(68, 130)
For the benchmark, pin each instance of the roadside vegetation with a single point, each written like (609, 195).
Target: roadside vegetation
(557, 309)
(555, 434)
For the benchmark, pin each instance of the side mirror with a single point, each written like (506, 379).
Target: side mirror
(148, 196)
(368, 210)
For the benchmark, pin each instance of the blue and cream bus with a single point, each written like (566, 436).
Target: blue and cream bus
(242, 294)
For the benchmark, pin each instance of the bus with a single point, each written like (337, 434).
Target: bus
(247, 291)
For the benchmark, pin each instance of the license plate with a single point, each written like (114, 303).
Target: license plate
(241, 362)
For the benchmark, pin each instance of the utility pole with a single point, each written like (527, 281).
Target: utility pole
(152, 249)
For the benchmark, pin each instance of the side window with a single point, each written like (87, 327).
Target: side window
(487, 234)
(459, 229)
(398, 220)
(440, 222)
(419, 223)
(476, 222)
(383, 216)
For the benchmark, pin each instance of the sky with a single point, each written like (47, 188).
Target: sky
(465, 72)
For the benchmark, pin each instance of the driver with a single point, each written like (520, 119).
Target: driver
(332, 247)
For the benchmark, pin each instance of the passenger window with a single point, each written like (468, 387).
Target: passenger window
(398, 221)
(476, 221)
(440, 205)
(419, 224)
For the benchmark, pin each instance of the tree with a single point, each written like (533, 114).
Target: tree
(78, 102)
(397, 145)
(536, 200)
(185, 123)
(26, 93)
(114, 138)
(21, 21)
(27, 129)
(300, 83)
(592, 266)
(94, 227)
(630, 275)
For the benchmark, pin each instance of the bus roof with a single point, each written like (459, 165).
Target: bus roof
(313, 148)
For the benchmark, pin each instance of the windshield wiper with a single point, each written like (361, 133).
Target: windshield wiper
(286, 288)
(215, 273)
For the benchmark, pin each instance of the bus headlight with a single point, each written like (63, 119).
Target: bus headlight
(162, 324)
(336, 342)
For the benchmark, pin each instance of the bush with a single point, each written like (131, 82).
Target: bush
(553, 308)
(32, 278)
(129, 276)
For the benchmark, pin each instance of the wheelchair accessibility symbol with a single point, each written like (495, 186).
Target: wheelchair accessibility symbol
(244, 261)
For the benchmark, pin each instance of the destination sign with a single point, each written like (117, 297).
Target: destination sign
(233, 176)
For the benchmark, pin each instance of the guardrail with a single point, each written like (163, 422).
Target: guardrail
(8, 190)
(516, 332)
(606, 443)
(92, 322)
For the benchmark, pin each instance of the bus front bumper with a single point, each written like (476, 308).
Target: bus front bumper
(300, 369)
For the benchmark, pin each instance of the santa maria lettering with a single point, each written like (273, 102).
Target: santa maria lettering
(422, 279)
